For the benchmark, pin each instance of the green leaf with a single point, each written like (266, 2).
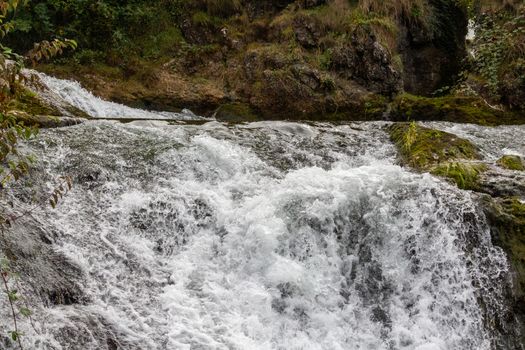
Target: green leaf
(12, 295)
(25, 311)
(15, 335)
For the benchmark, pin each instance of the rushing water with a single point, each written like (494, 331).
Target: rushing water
(268, 235)
(72, 93)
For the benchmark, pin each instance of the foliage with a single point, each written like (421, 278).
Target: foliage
(13, 163)
(498, 53)
(17, 304)
(11, 132)
(48, 49)
(412, 9)
(116, 29)
(219, 8)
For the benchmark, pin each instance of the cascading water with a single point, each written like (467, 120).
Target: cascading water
(74, 94)
(268, 235)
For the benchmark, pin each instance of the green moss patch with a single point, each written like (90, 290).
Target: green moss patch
(27, 101)
(423, 148)
(457, 109)
(511, 162)
(464, 175)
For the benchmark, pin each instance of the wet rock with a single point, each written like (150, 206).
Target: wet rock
(500, 183)
(432, 54)
(52, 277)
(441, 153)
(85, 329)
(464, 174)
(367, 62)
(506, 217)
(423, 148)
(307, 76)
(235, 112)
(512, 162)
(38, 100)
(308, 31)
(46, 121)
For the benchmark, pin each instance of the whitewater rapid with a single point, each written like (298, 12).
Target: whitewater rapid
(267, 235)
(74, 94)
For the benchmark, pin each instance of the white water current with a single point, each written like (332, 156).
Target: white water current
(73, 93)
(268, 235)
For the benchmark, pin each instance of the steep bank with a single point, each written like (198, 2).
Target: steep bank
(287, 59)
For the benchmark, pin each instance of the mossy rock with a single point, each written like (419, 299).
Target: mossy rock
(45, 121)
(458, 109)
(511, 162)
(507, 219)
(464, 175)
(236, 112)
(422, 148)
(28, 101)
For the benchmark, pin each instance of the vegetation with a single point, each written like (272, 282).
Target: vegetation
(13, 163)
(464, 175)
(245, 60)
(423, 148)
(438, 152)
(511, 162)
(462, 109)
(495, 69)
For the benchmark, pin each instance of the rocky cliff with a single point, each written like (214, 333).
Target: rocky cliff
(300, 59)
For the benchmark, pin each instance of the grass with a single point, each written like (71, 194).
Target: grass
(415, 9)
(464, 175)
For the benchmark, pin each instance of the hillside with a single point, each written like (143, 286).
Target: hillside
(304, 59)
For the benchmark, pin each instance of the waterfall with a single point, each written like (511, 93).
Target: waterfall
(267, 235)
(73, 93)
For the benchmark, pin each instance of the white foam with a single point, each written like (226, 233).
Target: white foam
(223, 240)
(73, 93)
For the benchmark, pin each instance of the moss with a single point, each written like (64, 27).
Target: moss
(375, 106)
(459, 109)
(422, 147)
(27, 101)
(235, 112)
(464, 175)
(44, 121)
(511, 162)
(204, 19)
(507, 219)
